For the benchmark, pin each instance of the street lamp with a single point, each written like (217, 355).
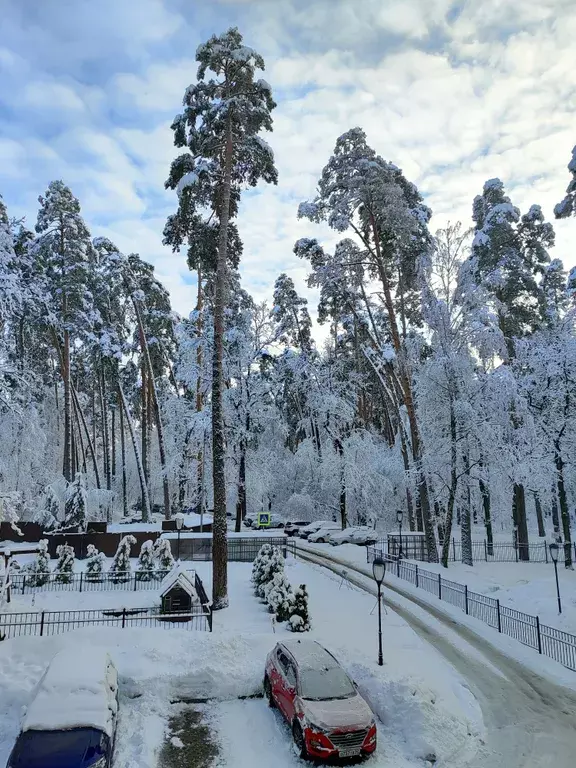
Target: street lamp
(554, 555)
(179, 520)
(399, 516)
(378, 571)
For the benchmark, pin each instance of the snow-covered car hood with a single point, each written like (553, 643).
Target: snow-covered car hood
(347, 714)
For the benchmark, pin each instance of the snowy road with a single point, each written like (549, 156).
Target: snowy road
(530, 721)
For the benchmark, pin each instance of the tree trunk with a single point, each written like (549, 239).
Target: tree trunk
(146, 513)
(219, 527)
(156, 407)
(67, 464)
(104, 420)
(113, 445)
(555, 518)
(539, 516)
(453, 488)
(466, 536)
(123, 460)
(88, 437)
(343, 510)
(564, 514)
(485, 494)
(144, 421)
(241, 502)
(520, 523)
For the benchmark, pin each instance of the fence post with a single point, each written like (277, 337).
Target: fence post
(23, 583)
(454, 549)
(81, 575)
(42, 624)
(538, 631)
(417, 584)
(123, 617)
(439, 587)
(398, 567)
(135, 582)
(546, 551)
(499, 619)
(466, 597)
(485, 551)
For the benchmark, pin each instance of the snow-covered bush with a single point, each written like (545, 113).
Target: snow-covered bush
(65, 565)
(279, 596)
(47, 514)
(75, 507)
(94, 563)
(163, 557)
(145, 568)
(38, 572)
(120, 568)
(299, 620)
(270, 565)
(264, 553)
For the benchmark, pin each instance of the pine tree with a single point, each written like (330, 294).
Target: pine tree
(279, 596)
(299, 619)
(145, 567)
(40, 568)
(65, 565)
(75, 508)
(47, 515)
(95, 561)
(270, 566)
(163, 557)
(568, 206)
(291, 313)
(222, 118)
(120, 568)
(64, 250)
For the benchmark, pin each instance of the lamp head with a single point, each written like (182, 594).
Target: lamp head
(179, 520)
(378, 570)
(554, 552)
(399, 516)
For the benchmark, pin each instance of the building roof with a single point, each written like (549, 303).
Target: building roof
(181, 577)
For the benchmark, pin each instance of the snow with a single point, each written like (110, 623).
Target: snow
(423, 703)
(74, 694)
(188, 180)
(181, 576)
(190, 520)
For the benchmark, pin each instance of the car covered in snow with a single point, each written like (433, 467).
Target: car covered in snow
(322, 535)
(71, 720)
(311, 528)
(327, 715)
(294, 528)
(362, 535)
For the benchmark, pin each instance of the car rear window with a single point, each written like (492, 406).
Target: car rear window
(325, 683)
(38, 748)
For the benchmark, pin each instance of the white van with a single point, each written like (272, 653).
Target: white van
(71, 720)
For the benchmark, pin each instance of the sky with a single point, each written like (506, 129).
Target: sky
(454, 92)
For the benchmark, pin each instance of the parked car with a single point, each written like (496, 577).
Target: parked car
(293, 528)
(328, 717)
(71, 720)
(275, 522)
(313, 527)
(323, 534)
(362, 535)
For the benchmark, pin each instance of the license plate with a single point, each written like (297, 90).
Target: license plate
(349, 751)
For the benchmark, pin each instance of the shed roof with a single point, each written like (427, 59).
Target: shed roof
(181, 577)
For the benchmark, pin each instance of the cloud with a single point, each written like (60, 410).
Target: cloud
(453, 92)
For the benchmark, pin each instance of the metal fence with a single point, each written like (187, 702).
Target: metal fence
(43, 623)
(242, 550)
(481, 550)
(527, 629)
(134, 581)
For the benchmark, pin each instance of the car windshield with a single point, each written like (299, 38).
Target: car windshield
(77, 746)
(325, 683)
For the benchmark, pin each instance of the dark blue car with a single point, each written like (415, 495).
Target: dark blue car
(70, 721)
(76, 748)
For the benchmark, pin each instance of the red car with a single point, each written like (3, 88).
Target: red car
(328, 717)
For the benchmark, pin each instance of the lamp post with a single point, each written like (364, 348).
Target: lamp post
(179, 520)
(554, 555)
(399, 516)
(378, 571)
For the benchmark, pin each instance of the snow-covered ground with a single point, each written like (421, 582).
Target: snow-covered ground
(424, 705)
(527, 587)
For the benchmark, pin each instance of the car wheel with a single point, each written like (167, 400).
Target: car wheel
(320, 541)
(268, 693)
(299, 741)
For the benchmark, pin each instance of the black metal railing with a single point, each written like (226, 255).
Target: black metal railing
(482, 550)
(527, 629)
(242, 550)
(43, 623)
(135, 581)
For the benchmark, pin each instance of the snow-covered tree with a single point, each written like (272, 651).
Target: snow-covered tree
(65, 563)
(568, 206)
(40, 568)
(163, 557)
(146, 566)
(48, 514)
(279, 596)
(222, 118)
(299, 619)
(120, 568)
(75, 507)
(95, 561)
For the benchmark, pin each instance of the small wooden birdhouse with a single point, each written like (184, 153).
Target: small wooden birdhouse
(178, 592)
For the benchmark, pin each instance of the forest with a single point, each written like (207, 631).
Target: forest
(445, 387)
